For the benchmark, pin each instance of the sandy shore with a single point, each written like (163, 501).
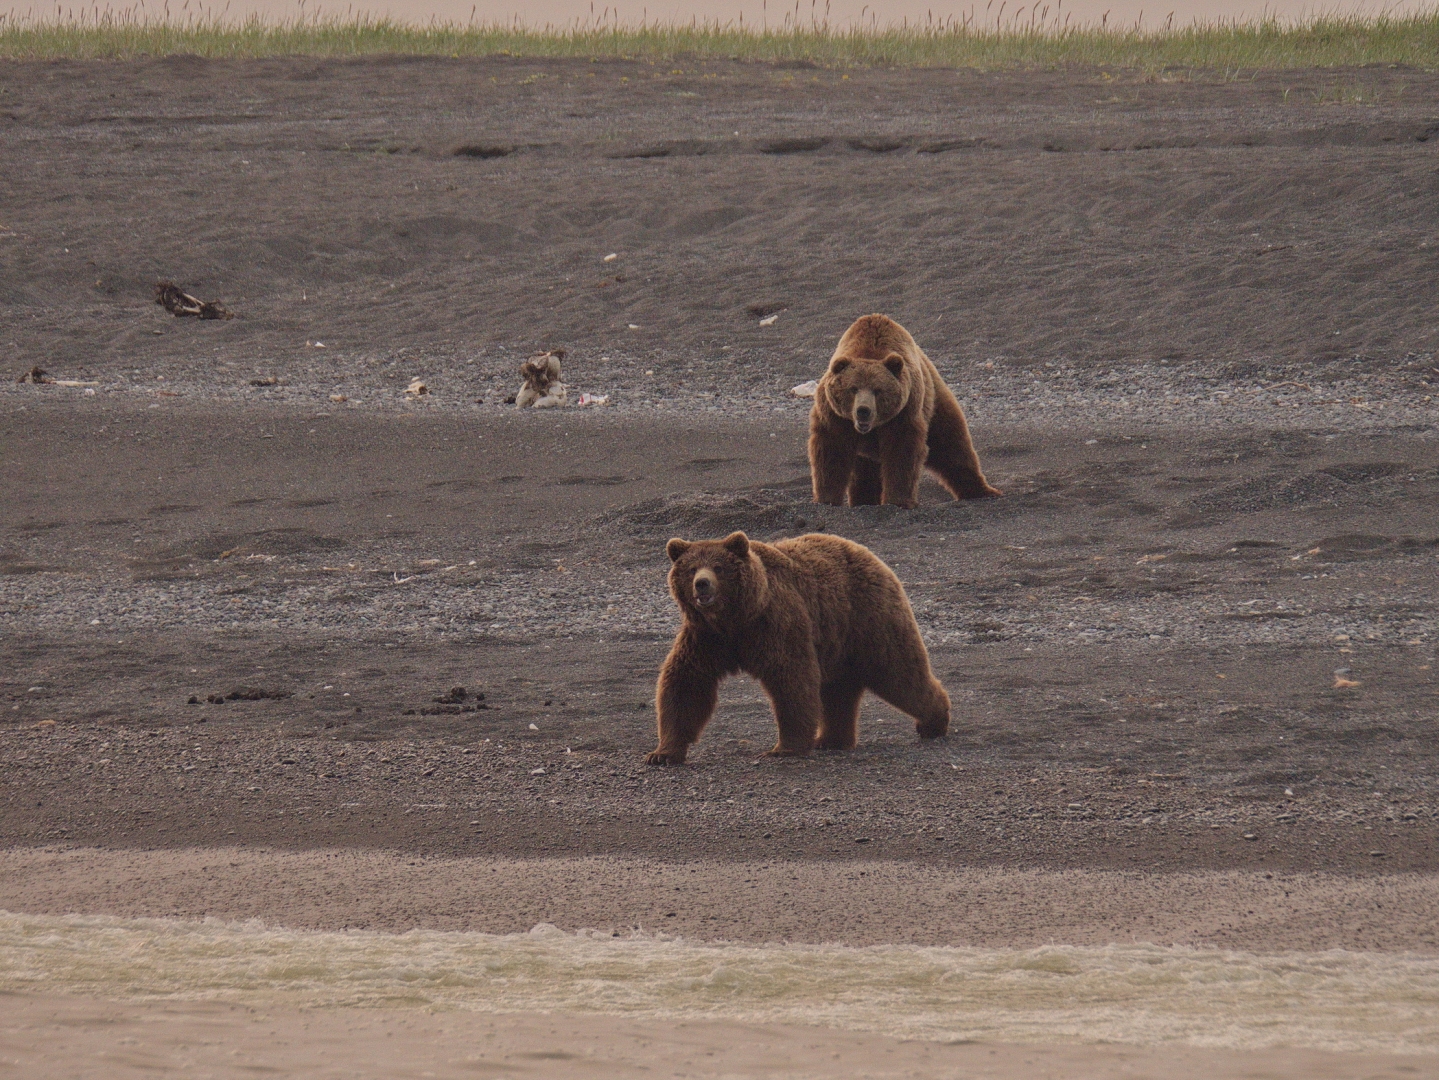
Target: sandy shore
(47, 1038)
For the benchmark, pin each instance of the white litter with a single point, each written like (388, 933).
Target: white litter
(805, 389)
(594, 399)
(634, 326)
(417, 387)
(611, 257)
(769, 320)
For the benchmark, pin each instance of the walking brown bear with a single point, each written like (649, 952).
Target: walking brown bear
(817, 619)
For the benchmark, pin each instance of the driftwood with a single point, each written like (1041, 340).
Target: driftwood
(179, 303)
(38, 375)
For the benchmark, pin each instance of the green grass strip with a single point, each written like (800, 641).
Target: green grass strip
(1325, 41)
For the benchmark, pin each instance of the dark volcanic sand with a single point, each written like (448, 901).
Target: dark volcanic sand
(1191, 322)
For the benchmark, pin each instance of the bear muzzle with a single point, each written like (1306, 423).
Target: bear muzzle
(864, 412)
(706, 587)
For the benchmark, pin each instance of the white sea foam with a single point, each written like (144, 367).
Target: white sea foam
(1145, 994)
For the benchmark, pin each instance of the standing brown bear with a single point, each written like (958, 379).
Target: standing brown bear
(818, 620)
(881, 416)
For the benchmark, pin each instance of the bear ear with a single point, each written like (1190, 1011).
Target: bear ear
(838, 366)
(737, 544)
(895, 363)
(677, 547)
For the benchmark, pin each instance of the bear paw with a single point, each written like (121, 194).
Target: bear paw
(665, 757)
(932, 730)
(788, 751)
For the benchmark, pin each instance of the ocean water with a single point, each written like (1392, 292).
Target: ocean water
(1138, 994)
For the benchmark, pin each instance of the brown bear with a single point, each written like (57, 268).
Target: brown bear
(881, 415)
(818, 620)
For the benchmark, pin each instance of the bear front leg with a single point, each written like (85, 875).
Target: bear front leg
(685, 698)
(793, 686)
(840, 700)
(831, 460)
(866, 486)
(902, 453)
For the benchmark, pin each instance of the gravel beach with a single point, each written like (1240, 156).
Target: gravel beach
(258, 601)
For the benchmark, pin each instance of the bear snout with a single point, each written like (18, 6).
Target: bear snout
(864, 405)
(706, 587)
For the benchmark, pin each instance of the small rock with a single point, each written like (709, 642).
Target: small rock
(193, 701)
(417, 388)
(534, 727)
(861, 839)
(1250, 836)
(805, 389)
(769, 320)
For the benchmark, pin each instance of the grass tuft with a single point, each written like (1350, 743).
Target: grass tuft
(1044, 40)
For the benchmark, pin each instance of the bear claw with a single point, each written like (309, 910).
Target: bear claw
(661, 757)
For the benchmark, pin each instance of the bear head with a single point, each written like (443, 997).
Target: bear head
(866, 392)
(720, 582)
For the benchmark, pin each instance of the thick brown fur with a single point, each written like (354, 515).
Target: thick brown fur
(817, 620)
(881, 416)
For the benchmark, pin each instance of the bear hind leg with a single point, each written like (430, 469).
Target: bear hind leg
(952, 457)
(839, 728)
(866, 485)
(919, 695)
